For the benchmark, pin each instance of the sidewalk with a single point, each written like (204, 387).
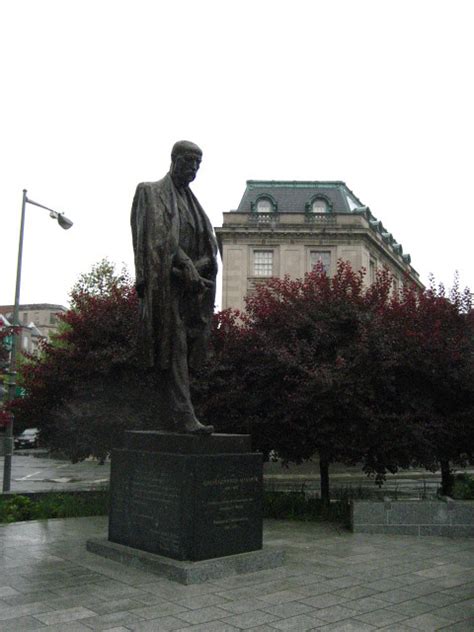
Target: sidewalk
(332, 580)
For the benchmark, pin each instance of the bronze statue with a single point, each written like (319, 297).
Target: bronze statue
(175, 264)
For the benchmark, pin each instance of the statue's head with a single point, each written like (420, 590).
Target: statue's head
(185, 160)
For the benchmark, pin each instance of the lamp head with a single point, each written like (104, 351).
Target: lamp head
(63, 221)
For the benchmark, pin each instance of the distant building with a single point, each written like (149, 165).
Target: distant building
(37, 320)
(287, 227)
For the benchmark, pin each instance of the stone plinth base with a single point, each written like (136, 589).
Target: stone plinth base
(188, 572)
(186, 497)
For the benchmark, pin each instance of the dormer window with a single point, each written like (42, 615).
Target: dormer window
(319, 206)
(264, 206)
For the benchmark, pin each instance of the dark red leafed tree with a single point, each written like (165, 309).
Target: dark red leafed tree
(433, 343)
(75, 388)
(306, 369)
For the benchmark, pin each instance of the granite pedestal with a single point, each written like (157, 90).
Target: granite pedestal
(186, 498)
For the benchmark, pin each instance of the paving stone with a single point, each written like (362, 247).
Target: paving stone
(382, 585)
(250, 619)
(427, 622)
(63, 603)
(25, 624)
(462, 626)
(305, 578)
(119, 629)
(8, 591)
(323, 601)
(201, 601)
(396, 627)
(112, 619)
(163, 624)
(148, 599)
(395, 596)
(249, 591)
(439, 599)
(64, 616)
(381, 617)
(410, 608)
(291, 609)
(319, 588)
(244, 605)
(203, 615)
(281, 597)
(335, 613)
(19, 599)
(218, 626)
(349, 625)
(72, 626)
(115, 605)
(456, 611)
(164, 609)
(10, 612)
(366, 604)
(300, 623)
(355, 592)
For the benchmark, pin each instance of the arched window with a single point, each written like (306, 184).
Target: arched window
(319, 204)
(264, 205)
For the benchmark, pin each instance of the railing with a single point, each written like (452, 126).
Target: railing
(264, 218)
(320, 218)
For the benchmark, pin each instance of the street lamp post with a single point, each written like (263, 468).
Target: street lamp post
(65, 223)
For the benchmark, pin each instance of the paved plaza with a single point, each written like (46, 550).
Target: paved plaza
(332, 580)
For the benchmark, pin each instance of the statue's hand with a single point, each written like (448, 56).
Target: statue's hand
(191, 276)
(206, 265)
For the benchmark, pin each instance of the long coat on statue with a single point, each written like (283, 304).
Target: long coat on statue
(156, 225)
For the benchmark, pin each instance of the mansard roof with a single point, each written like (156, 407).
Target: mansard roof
(292, 196)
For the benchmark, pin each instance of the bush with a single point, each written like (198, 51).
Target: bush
(295, 506)
(463, 487)
(19, 508)
(16, 509)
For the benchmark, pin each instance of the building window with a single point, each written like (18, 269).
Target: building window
(372, 271)
(264, 206)
(319, 206)
(25, 318)
(317, 256)
(52, 318)
(263, 263)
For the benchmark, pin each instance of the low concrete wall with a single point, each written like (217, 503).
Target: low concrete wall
(447, 517)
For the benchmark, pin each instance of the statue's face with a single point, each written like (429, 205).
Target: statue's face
(185, 167)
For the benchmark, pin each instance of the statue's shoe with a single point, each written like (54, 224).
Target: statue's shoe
(193, 426)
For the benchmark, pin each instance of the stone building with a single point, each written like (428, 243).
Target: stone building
(37, 320)
(286, 227)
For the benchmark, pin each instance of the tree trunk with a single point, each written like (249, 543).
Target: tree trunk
(324, 472)
(447, 478)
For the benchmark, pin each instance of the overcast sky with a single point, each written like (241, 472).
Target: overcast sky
(94, 94)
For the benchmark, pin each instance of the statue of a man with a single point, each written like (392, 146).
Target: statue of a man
(175, 264)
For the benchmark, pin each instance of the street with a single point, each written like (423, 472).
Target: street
(33, 471)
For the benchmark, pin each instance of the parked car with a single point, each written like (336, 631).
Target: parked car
(29, 438)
